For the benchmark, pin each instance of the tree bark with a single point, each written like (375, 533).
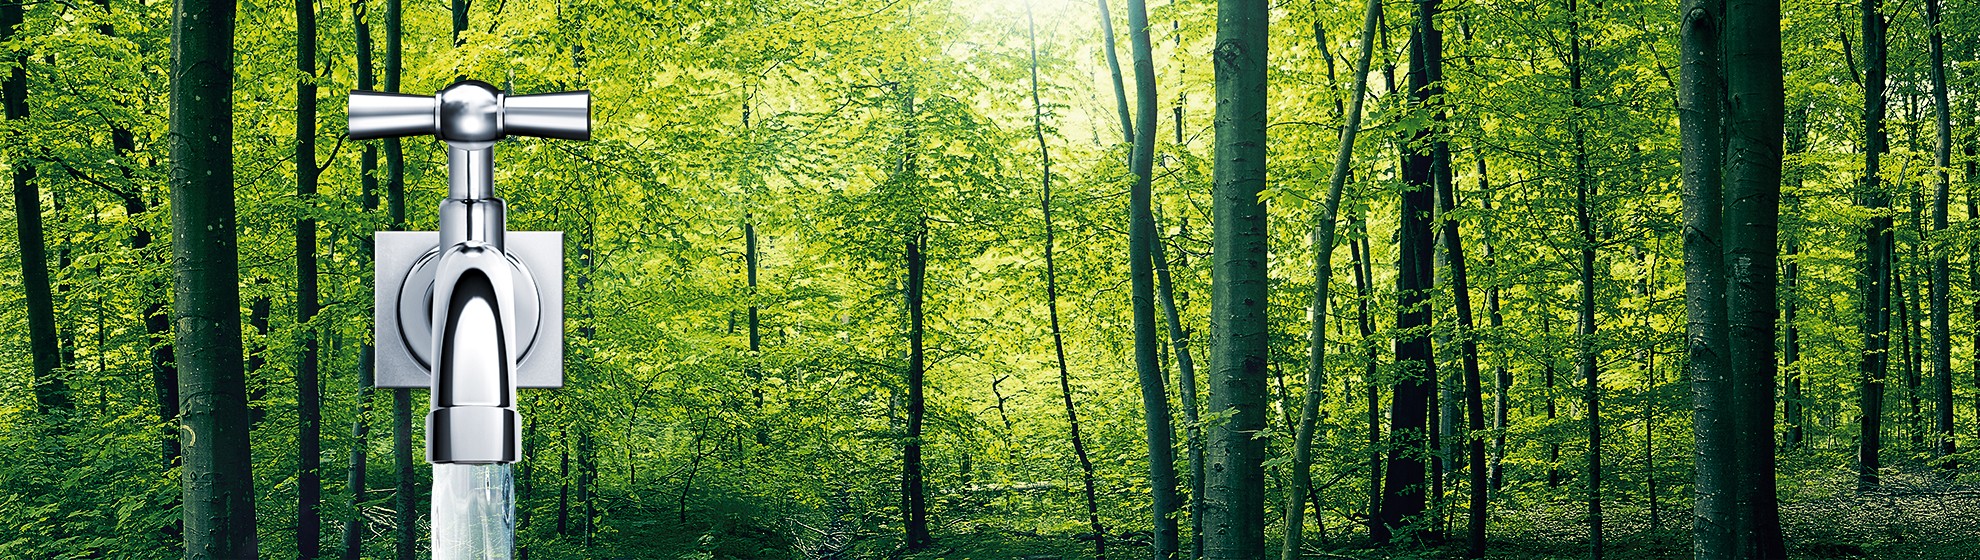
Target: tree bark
(1160, 426)
(1501, 375)
(1877, 264)
(1587, 355)
(1323, 269)
(354, 478)
(218, 508)
(1365, 323)
(309, 416)
(1234, 501)
(1410, 437)
(1941, 268)
(1794, 407)
(406, 497)
(915, 505)
(1052, 301)
(51, 391)
(1732, 172)
(1186, 380)
(1114, 71)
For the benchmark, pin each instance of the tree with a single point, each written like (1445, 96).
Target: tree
(1323, 252)
(1234, 502)
(1941, 269)
(1732, 177)
(1410, 438)
(1587, 355)
(309, 424)
(1052, 299)
(1878, 241)
(218, 506)
(360, 425)
(51, 392)
(1141, 242)
(405, 531)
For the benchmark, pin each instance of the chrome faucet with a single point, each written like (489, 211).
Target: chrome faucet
(472, 311)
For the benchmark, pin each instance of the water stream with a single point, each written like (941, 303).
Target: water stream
(474, 512)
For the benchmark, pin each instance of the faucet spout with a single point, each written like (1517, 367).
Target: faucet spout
(473, 417)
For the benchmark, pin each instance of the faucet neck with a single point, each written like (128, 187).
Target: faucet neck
(470, 170)
(471, 211)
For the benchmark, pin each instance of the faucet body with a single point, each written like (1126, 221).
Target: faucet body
(491, 315)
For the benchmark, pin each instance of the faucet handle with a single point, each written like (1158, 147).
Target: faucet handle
(471, 111)
(564, 115)
(391, 115)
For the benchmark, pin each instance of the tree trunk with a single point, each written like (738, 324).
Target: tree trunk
(1732, 173)
(1877, 241)
(309, 416)
(1114, 71)
(1052, 301)
(406, 497)
(1323, 272)
(218, 505)
(1501, 375)
(1186, 380)
(360, 425)
(1794, 407)
(1363, 276)
(1160, 426)
(915, 506)
(1409, 418)
(1941, 268)
(1700, 102)
(51, 391)
(1234, 501)
(1585, 325)
(1753, 78)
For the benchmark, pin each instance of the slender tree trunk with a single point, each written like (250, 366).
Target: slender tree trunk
(1877, 265)
(915, 505)
(1323, 258)
(1186, 380)
(360, 425)
(1363, 276)
(406, 497)
(1114, 71)
(51, 391)
(1052, 301)
(309, 417)
(1794, 407)
(1941, 268)
(218, 505)
(1501, 375)
(1403, 498)
(1474, 399)
(1234, 501)
(1141, 240)
(1585, 343)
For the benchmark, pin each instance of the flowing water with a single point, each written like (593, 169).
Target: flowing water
(474, 512)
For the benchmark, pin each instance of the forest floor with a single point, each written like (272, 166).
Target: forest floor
(1913, 517)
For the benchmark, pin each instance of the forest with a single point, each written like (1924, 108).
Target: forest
(1024, 279)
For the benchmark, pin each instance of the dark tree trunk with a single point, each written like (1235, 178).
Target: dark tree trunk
(1114, 71)
(1234, 501)
(1501, 375)
(1941, 268)
(1052, 302)
(1365, 322)
(1877, 240)
(914, 496)
(309, 416)
(51, 391)
(1587, 355)
(218, 508)
(1794, 406)
(354, 478)
(405, 529)
(1410, 439)
(1732, 173)
(1186, 381)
